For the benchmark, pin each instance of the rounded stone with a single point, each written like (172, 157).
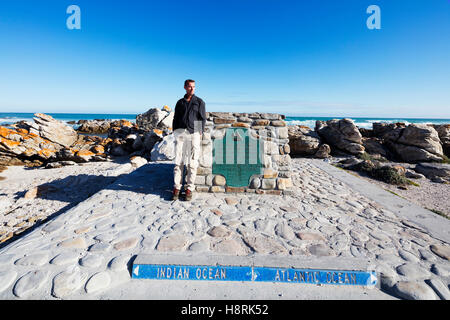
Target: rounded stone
(229, 246)
(37, 259)
(199, 246)
(219, 231)
(65, 258)
(414, 291)
(98, 282)
(79, 243)
(442, 251)
(310, 236)
(67, 282)
(412, 270)
(219, 180)
(119, 263)
(7, 278)
(126, 244)
(320, 250)
(30, 282)
(174, 242)
(91, 261)
(255, 183)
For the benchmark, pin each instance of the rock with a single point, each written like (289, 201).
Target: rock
(30, 282)
(138, 162)
(443, 131)
(164, 150)
(230, 246)
(174, 242)
(65, 258)
(54, 130)
(119, 263)
(264, 245)
(415, 143)
(284, 231)
(79, 243)
(320, 250)
(308, 236)
(414, 291)
(155, 119)
(7, 278)
(126, 244)
(219, 180)
(67, 282)
(98, 282)
(255, 183)
(434, 170)
(439, 288)
(303, 141)
(342, 134)
(412, 270)
(442, 251)
(95, 126)
(200, 246)
(219, 231)
(323, 151)
(374, 146)
(37, 259)
(382, 128)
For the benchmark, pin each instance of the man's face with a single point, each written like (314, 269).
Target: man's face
(190, 88)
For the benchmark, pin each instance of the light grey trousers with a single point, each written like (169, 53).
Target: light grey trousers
(187, 152)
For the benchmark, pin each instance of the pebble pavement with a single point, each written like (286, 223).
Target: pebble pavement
(85, 252)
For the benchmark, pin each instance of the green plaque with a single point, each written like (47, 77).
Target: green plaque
(237, 156)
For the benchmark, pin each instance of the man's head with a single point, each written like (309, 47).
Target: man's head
(189, 86)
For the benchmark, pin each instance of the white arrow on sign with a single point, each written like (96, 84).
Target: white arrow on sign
(136, 270)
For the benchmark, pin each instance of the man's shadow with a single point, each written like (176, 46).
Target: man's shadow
(153, 178)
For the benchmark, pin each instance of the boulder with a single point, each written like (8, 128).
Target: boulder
(374, 146)
(323, 151)
(443, 131)
(95, 126)
(303, 141)
(434, 170)
(381, 128)
(415, 143)
(342, 134)
(164, 150)
(54, 130)
(155, 119)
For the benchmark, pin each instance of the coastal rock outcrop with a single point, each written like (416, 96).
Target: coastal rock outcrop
(156, 119)
(46, 140)
(342, 134)
(303, 141)
(414, 143)
(50, 129)
(164, 150)
(443, 131)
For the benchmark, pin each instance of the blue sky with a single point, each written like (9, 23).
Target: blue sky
(307, 58)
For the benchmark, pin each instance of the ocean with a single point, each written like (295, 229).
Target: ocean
(7, 119)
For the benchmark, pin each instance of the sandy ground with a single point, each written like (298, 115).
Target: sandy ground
(29, 197)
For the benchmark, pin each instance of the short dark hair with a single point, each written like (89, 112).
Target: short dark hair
(187, 81)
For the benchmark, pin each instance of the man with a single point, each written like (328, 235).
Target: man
(188, 126)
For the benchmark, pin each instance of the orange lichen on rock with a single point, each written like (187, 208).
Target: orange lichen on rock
(85, 153)
(98, 149)
(125, 123)
(5, 132)
(167, 108)
(157, 131)
(9, 143)
(46, 153)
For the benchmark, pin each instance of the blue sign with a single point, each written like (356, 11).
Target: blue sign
(257, 274)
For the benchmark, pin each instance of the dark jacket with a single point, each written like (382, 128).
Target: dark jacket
(187, 112)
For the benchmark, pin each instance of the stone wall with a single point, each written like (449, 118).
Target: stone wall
(267, 130)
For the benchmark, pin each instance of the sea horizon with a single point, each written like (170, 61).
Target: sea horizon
(8, 118)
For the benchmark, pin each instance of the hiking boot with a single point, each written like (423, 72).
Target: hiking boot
(176, 194)
(188, 196)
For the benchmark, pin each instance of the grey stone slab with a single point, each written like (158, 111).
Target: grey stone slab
(7, 278)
